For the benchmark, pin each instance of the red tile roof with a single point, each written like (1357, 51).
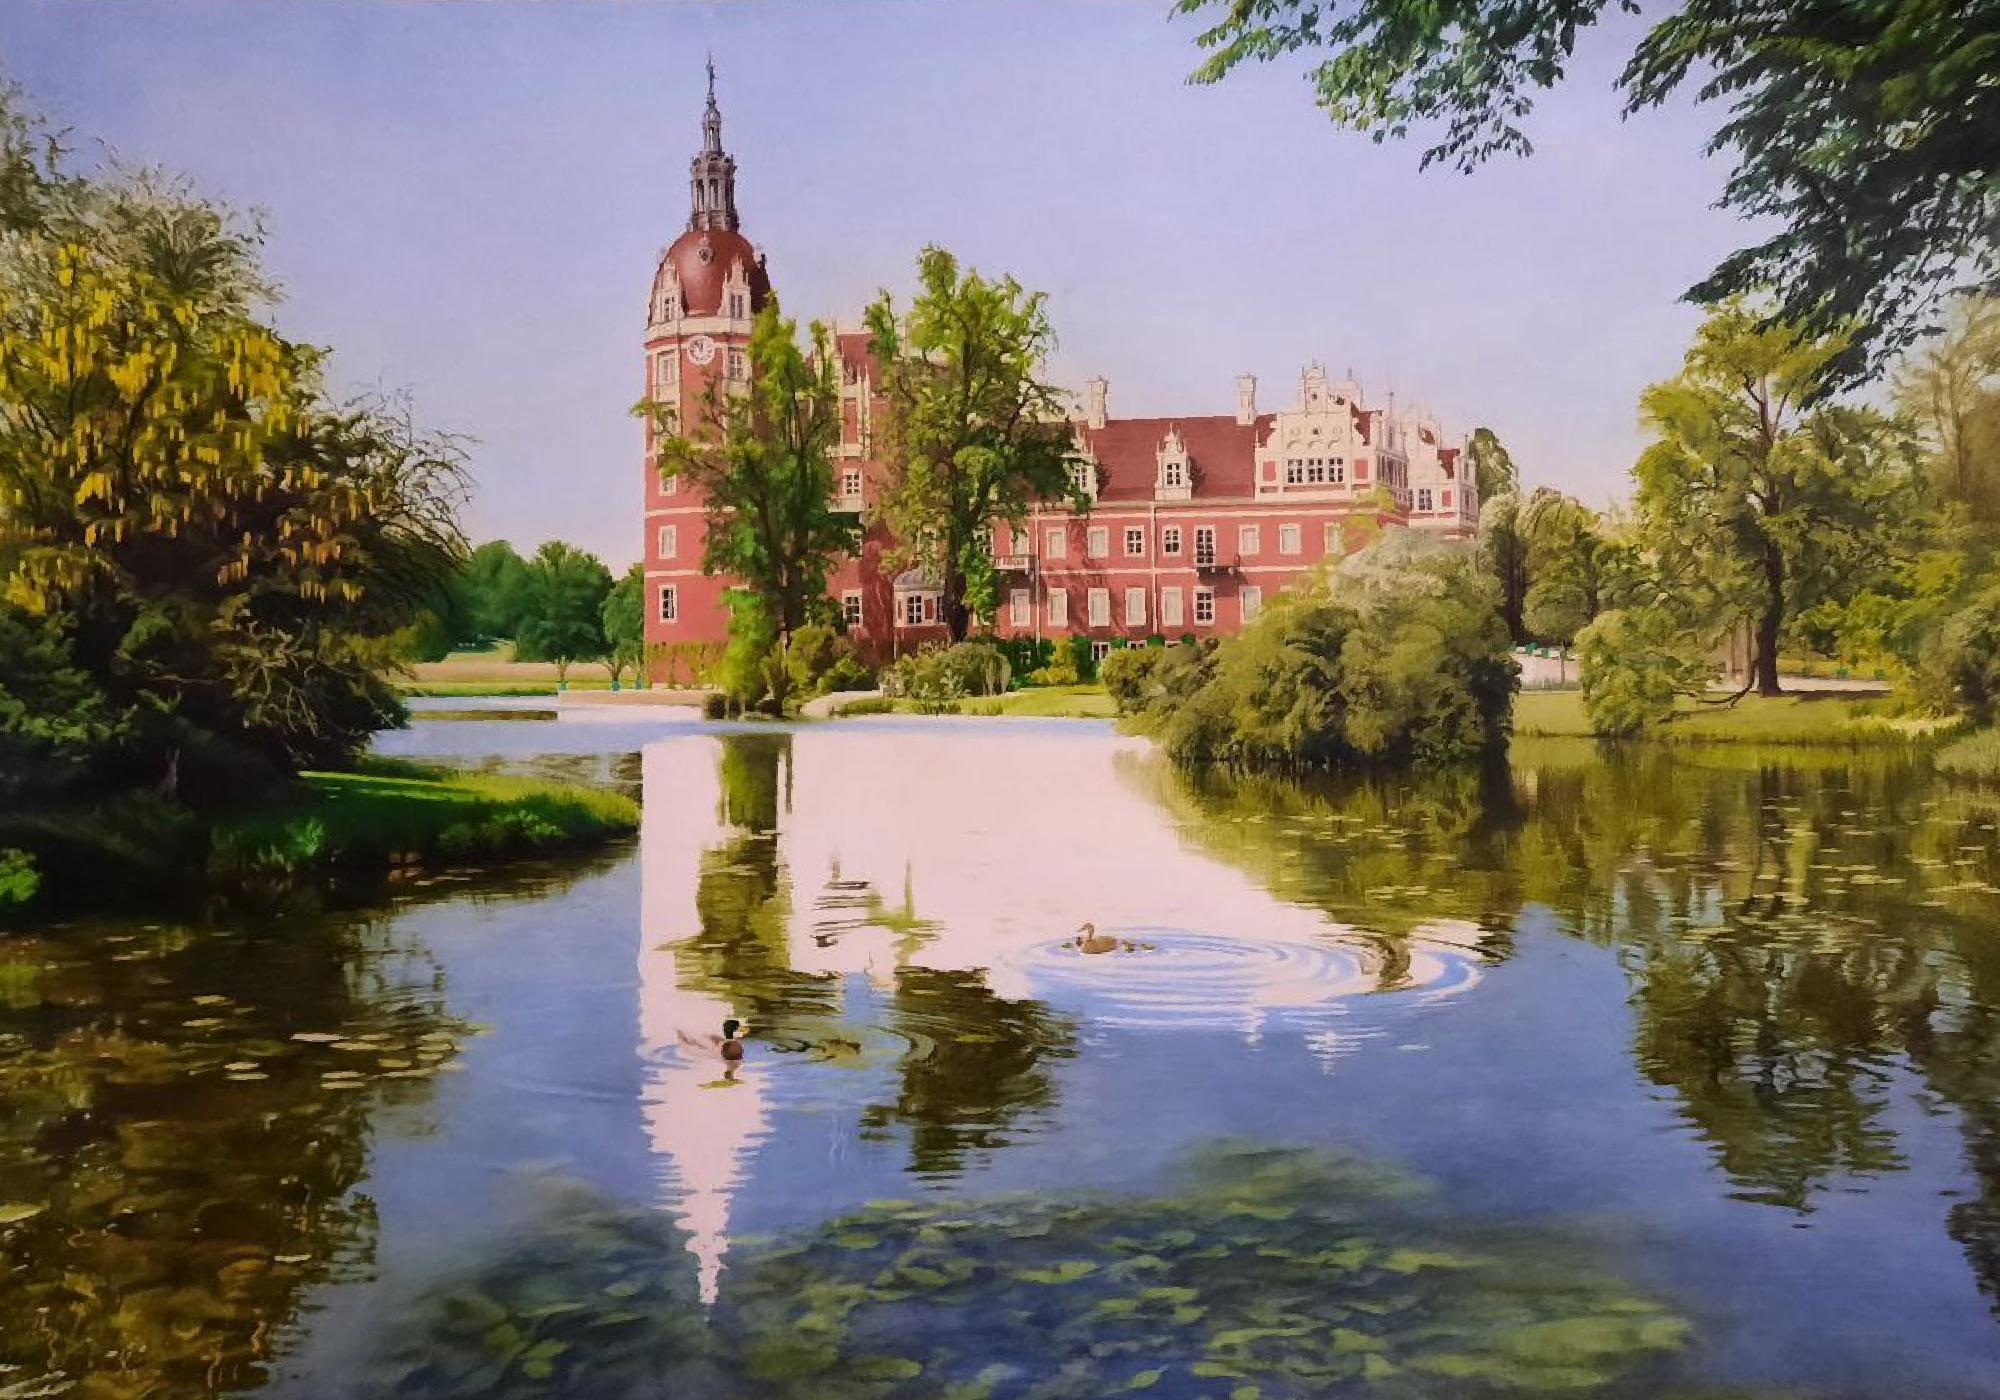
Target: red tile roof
(1223, 451)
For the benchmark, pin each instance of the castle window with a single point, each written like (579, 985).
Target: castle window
(1315, 470)
(913, 609)
(1083, 477)
(1424, 498)
(1332, 537)
(1098, 541)
(1099, 650)
(1204, 606)
(1135, 607)
(1252, 600)
(850, 607)
(736, 306)
(1170, 539)
(850, 483)
(670, 603)
(1295, 471)
(1100, 607)
(1249, 540)
(738, 369)
(669, 541)
(1020, 607)
(1135, 540)
(666, 369)
(1055, 544)
(1170, 607)
(1204, 546)
(1339, 472)
(1058, 607)
(1288, 539)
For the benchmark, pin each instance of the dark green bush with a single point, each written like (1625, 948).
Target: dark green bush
(938, 677)
(1961, 667)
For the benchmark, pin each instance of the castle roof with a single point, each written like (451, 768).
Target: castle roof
(1222, 451)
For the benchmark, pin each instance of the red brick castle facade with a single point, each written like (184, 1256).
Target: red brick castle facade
(1196, 520)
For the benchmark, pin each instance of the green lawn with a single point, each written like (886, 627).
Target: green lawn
(390, 811)
(1037, 702)
(1821, 718)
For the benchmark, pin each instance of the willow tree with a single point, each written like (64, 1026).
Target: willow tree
(1753, 499)
(974, 436)
(223, 554)
(763, 461)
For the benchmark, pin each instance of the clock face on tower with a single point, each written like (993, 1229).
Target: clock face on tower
(701, 349)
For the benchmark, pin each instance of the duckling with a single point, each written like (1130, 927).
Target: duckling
(727, 1045)
(1089, 940)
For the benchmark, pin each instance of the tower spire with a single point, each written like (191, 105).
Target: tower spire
(712, 175)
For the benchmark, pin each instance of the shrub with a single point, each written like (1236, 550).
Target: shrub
(714, 705)
(19, 880)
(1399, 654)
(868, 705)
(1634, 664)
(1025, 655)
(1961, 667)
(1080, 659)
(938, 677)
(824, 660)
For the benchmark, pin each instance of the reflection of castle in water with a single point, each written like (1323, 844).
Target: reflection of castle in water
(929, 952)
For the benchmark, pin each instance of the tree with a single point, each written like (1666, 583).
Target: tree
(1503, 554)
(224, 556)
(1635, 665)
(1863, 133)
(1763, 505)
(974, 436)
(563, 620)
(1578, 567)
(763, 461)
(1952, 392)
(490, 593)
(623, 618)
(1491, 464)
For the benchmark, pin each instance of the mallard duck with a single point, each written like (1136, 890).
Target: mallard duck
(726, 1045)
(1089, 940)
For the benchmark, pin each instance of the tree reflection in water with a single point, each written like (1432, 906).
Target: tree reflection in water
(1797, 928)
(183, 1116)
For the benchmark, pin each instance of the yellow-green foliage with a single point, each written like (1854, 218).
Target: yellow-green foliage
(1975, 757)
(1821, 718)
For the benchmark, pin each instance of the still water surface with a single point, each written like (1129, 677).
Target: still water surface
(1676, 1073)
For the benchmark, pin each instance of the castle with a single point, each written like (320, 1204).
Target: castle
(1195, 519)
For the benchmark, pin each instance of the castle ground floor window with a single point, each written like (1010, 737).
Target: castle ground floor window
(850, 607)
(670, 603)
(1170, 607)
(1135, 607)
(1020, 607)
(918, 608)
(1099, 650)
(1252, 600)
(1204, 605)
(1058, 607)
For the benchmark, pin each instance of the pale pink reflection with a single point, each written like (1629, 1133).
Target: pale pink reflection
(702, 1117)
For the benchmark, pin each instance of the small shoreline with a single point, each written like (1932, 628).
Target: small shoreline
(385, 819)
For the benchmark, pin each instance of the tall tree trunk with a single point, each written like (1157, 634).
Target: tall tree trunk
(1772, 622)
(957, 617)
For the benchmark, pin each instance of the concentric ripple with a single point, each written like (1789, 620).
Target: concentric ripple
(1191, 979)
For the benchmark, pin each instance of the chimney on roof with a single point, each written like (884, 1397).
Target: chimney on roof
(1246, 399)
(1100, 390)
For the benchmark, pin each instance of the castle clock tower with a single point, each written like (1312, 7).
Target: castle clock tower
(709, 285)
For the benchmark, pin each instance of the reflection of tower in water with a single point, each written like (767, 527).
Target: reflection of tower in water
(708, 855)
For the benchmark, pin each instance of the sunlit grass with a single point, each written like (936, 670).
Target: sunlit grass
(1822, 718)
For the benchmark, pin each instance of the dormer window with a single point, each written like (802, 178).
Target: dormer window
(1175, 480)
(1083, 479)
(736, 306)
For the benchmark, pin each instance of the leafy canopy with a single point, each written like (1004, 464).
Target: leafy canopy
(974, 436)
(564, 618)
(1866, 135)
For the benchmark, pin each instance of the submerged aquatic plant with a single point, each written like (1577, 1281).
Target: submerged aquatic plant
(1269, 1273)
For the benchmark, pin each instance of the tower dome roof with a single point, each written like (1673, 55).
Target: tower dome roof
(702, 260)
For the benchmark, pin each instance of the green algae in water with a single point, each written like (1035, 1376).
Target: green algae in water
(1281, 1273)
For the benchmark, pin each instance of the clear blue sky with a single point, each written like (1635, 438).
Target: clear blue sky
(465, 201)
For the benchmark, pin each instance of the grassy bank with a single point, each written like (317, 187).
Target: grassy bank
(1827, 717)
(1039, 702)
(1975, 758)
(383, 817)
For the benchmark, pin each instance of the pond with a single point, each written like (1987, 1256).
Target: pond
(1667, 1073)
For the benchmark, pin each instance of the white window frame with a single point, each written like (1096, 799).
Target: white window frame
(1020, 607)
(1170, 539)
(669, 542)
(851, 611)
(668, 608)
(850, 482)
(1251, 598)
(1204, 602)
(1097, 543)
(739, 365)
(1426, 502)
(1098, 605)
(1058, 607)
(1135, 541)
(1055, 543)
(1099, 650)
(666, 369)
(1330, 536)
(1204, 546)
(913, 609)
(1170, 608)
(1249, 540)
(1290, 539)
(1135, 607)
